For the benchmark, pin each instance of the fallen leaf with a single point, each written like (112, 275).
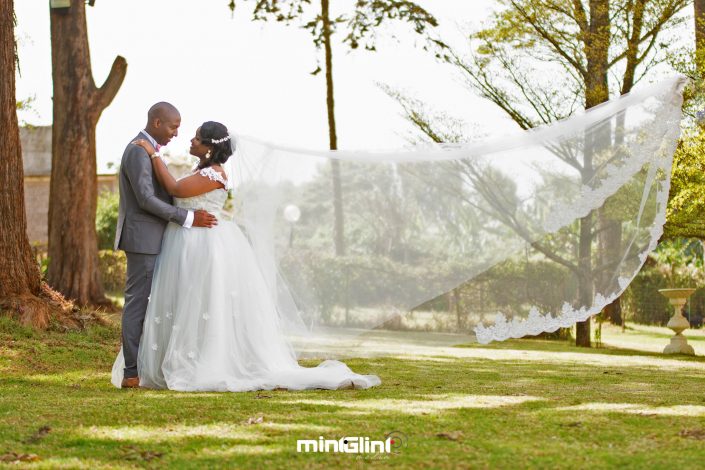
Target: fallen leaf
(135, 453)
(698, 434)
(37, 436)
(450, 435)
(14, 457)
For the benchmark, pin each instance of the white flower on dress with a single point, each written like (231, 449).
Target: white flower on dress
(206, 316)
(175, 327)
(155, 347)
(169, 315)
(191, 354)
(157, 320)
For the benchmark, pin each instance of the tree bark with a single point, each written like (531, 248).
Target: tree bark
(20, 281)
(610, 240)
(339, 221)
(699, 7)
(597, 43)
(611, 230)
(78, 104)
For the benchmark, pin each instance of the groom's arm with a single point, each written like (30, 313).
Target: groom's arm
(139, 172)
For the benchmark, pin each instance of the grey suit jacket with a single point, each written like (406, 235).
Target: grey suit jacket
(145, 206)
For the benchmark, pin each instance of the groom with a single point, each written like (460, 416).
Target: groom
(145, 210)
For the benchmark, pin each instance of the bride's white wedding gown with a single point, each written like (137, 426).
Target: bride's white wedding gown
(212, 323)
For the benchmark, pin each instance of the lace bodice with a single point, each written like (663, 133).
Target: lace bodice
(212, 201)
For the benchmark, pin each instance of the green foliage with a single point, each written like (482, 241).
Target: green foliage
(642, 303)
(682, 257)
(675, 263)
(691, 63)
(112, 264)
(686, 205)
(25, 104)
(331, 277)
(44, 266)
(106, 219)
(509, 287)
(113, 269)
(532, 56)
(359, 24)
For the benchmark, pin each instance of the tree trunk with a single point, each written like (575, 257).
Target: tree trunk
(699, 7)
(610, 240)
(597, 44)
(20, 281)
(339, 228)
(611, 231)
(78, 104)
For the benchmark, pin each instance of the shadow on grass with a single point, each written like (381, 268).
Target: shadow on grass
(530, 401)
(495, 412)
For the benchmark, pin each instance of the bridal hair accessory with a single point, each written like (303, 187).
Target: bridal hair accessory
(220, 141)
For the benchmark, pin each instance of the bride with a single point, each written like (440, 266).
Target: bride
(212, 322)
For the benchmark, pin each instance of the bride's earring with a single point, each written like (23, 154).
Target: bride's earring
(208, 155)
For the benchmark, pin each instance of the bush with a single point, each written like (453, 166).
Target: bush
(106, 219)
(113, 269)
(329, 279)
(642, 302)
(675, 263)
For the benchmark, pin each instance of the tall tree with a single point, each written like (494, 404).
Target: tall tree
(539, 60)
(78, 104)
(360, 25)
(686, 204)
(20, 282)
(699, 17)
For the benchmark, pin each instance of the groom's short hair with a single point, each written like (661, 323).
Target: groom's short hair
(161, 110)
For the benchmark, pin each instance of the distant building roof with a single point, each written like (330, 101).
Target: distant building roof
(36, 150)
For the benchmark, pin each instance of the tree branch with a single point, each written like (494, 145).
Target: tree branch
(106, 93)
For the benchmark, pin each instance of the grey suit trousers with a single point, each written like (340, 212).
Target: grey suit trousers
(140, 270)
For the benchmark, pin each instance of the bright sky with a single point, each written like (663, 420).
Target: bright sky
(252, 76)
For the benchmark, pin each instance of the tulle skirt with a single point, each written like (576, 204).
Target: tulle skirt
(212, 322)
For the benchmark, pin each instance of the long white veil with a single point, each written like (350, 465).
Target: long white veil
(493, 240)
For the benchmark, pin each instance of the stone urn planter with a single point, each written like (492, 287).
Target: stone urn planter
(678, 323)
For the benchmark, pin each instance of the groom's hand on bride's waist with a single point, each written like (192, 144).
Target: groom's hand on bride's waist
(204, 219)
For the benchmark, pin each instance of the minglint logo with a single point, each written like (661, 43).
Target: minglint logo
(392, 444)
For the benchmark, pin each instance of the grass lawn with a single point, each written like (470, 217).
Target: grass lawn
(518, 404)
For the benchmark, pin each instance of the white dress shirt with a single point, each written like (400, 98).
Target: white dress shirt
(188, 223)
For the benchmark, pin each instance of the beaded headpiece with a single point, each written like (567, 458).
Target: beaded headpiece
(220, 141)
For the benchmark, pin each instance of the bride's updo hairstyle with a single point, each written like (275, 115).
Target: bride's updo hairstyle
(216, 136)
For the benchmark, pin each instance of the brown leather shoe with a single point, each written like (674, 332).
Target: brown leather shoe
(131, 382)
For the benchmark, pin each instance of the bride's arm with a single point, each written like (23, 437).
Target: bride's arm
(185, 187)
(163, 176)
